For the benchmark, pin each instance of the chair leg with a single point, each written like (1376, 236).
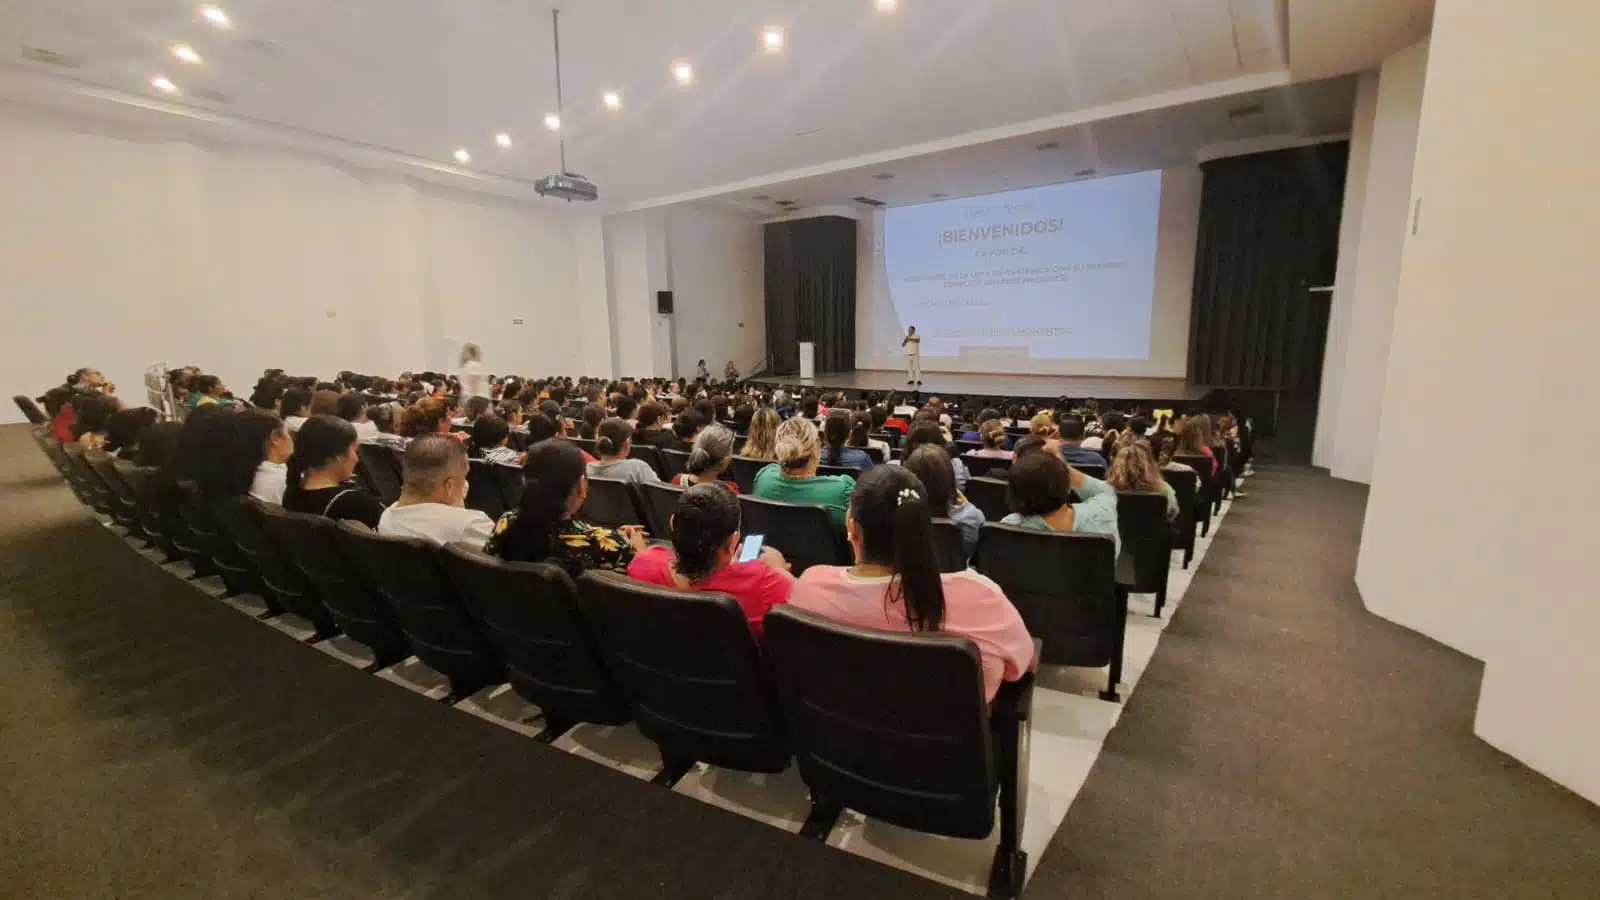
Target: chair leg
(672, 771)
(1161, 595)
(460, 690)
(554, 728)
(1010, 867)
(1114, 674)
(824, 815)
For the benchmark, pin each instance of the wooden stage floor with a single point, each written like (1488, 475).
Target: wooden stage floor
(1032, 387)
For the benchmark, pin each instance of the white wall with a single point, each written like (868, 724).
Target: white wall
(1495, 328)
(716, 267)
(635, 247)
(1345, 427)
(119, 250)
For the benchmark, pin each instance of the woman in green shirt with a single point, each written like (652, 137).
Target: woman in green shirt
(794, 479)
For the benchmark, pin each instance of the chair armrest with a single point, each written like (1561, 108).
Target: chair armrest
(1014, 701)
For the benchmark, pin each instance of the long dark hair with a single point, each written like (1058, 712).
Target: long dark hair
(488, 433)
(256, 428)
(890, 506)
(836, 431)
(612, 435)
(860, 427)
(933, 468)
(294, 401)
(320, 439)
(211, 451)
(707, 514)
(552, 470)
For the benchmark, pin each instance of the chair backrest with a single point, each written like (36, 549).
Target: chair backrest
(875, 454)
(235, 568)
(838, 470)
(1187, 486)
(673, 463)
(959, 447)
(948, 548)
(989, 495)
(240, 518)
(1202, 466)
(660, 502)
(1146, 539)
(650, 455)
(383, 468)
(982, 466)
(915, 750)
(1064, 585)
(804, 533)
(124, 506)
(691, 671)
(744, 471)
(439, 626)
(483, 488)
(585, 444)
(30, 410)
(529, 614)
(91, 487)
(892, 438)
(152, 514)
(1092, 471)
(311, 544)
(611, 503)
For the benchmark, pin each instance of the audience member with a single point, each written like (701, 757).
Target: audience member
(992, 435)
(612, 444)
(763, 440)
(353, 409)
(93, 414)
(325, 402)
(432, 503)
(125, 427)
(928, 431)
(895, 584)
(709, 460)
(430, 415)
(542, 527)
(1070, 432)
(705, 547)
(652, 430)
(269, 445)
(932, 467)
(1135, 469)
(1040, 491)
(488, 442)
(324, 459)
(205, 390)
(794, 478)
(294, 405)
(1194, 439)
(836, 432)
(156, 444)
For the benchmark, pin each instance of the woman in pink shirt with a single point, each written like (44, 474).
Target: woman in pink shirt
(895, 584)
(705, 533)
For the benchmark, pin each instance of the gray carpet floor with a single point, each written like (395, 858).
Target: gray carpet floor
(1286, 743)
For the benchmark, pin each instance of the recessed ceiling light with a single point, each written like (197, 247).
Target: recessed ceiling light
(612, 100)
(216, 16)
(552, 121)
(886, 5)
(463, 157)
(772, 39)
(163, 83)
(186, 53)
(503, 139)
(683, 72)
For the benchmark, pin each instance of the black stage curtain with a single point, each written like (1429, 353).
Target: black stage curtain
(811, 292)
(1269, 229)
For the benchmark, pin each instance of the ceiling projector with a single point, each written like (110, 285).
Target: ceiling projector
(566, 186)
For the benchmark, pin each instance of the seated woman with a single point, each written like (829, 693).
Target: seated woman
(93, 413)
(294, 404)
(794, 478)
(652, 430)
(932, 465)
(709, 460)
(705, 545)
(687, 426)
(430, 415)
(489, 437)
(387, 419)
(205, 390)
(542, 527)
(895, 584)
(125, 427)
(1040, 490)
(836, 433)
(984, 416)
(992, 435)
(324, 401)
(1134, 469)
(762, 442)
(861, 435)
(324, 459)
(352, 408)
(926, 431)
(265, 441)
(612, 444)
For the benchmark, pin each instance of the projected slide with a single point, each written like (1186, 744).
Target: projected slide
(1059, 272)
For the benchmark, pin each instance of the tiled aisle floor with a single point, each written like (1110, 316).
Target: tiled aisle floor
(1069, 728)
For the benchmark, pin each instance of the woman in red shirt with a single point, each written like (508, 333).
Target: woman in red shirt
(705, 533)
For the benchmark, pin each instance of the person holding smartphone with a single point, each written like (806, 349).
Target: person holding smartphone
(712, 555)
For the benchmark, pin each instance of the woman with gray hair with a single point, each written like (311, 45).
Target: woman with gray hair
(709, 459)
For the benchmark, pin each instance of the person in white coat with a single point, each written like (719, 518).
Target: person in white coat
(913, 347)
(474, 380)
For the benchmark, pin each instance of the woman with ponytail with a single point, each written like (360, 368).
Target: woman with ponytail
(543, 529)
(324, 459)
(705, 547)
(613, 443)
(895, 584)
(709, 460)
(839, 453)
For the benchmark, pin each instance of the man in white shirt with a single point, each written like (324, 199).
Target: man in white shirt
(433, 496)
(912, 343)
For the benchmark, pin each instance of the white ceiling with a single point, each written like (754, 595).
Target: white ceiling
(411, 80)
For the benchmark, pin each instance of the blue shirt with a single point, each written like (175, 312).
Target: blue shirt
(1077, 456)
(848, 458)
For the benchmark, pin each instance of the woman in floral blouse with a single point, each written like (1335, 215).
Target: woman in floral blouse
(542, 528)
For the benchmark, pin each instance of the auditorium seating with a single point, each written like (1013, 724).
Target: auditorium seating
(1186, 486)
(660, 501)
(804, 534)
(493, 488)
(1146, 544)
(947, 535)
(985, 466)
(989, 495)
(612, 503)
(744, 470)
(381, 469)
(241, 519)
(650, 455)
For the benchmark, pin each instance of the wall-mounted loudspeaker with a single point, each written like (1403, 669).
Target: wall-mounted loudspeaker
(664, 302)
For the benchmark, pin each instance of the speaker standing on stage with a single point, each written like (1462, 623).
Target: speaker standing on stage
(913, 345)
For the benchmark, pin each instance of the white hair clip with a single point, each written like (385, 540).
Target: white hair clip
(908, 494)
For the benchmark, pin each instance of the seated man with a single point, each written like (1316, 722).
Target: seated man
(1072, 450)
(431, 504)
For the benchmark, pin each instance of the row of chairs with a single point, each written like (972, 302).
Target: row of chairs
(923, 751)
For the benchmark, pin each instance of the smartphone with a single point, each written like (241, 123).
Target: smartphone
(751, 547)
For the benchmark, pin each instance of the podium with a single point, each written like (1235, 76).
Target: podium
(808, 359)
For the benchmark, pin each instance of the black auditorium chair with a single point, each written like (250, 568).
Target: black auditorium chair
(921, 750)
(660, 502)
(1204, 488)
(241, 519)
(888, 437)
(1092, 471)
(692, 672)
(161, 497)
(585, 444)
(30, 410)
(875, 454)
(381, 469)
(68, 469)
(987, 466)
(493, 488)
(744, 472)
(1186, 486)
(311, 544)
(804, 533)
(838, 470)
(650, 455)
(673, 463)
(52, 450)
(948, 548)
(612, 503)
(989, 495)
(1146, 544)
(1064, 584)
(124, 508)
(238, 575)
(440, 627)
(92, 488)
(530, 615)
(957, 448)
(154, 515)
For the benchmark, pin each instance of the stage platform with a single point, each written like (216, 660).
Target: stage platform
(1143, 391)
